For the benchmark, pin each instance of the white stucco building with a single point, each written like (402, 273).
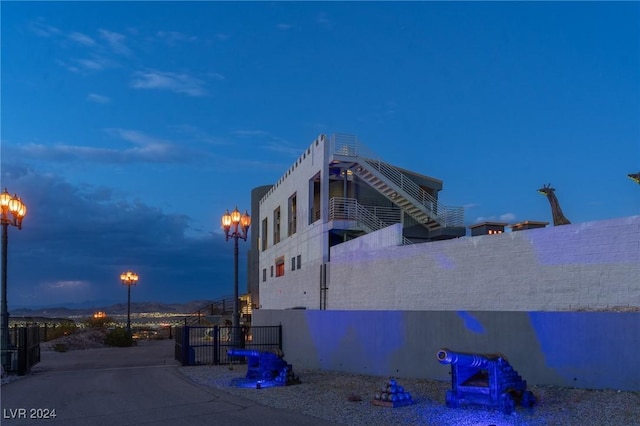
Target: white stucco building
(336, 191)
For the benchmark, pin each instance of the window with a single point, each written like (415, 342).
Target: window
(299, 261)
(292, 215)
(264, 234)
(264, 274)
(280, 266)
(276, 226)
(271, 271)
(314, 198)
(293, 263)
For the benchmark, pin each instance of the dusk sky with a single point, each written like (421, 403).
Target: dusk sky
(128, 128)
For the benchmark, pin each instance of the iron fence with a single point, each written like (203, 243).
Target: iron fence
(201, 345)
(24, 349)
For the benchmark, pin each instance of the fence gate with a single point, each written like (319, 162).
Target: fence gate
(24, 349)
(201, 345)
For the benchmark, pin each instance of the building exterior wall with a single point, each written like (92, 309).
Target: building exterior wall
(593, 350)
(592, 265)
(310, 240)
(253, 254)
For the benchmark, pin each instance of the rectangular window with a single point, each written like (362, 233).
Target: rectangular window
(299, 261)
(293, 263)
(271, 271)
(292, 214)
(276, 226)
(314, 198)
(264, 274)
(280, 266)
(264, 234)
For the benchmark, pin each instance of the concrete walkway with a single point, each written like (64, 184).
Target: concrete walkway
(127, 386)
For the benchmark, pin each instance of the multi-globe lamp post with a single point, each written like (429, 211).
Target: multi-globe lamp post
(235, 226)
(129, 278)
(13, 210)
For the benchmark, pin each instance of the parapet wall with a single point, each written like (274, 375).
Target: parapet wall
(591, 265)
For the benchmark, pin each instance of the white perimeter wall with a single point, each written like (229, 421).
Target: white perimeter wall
(592, 265)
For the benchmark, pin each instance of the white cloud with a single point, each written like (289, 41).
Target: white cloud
(173, 37)
(70, 285)
(508, 217)
(179, 83)
(90, 64)
(216, 75)
(116, 41)
(146, 149)
(40, 28)
(505, 217)
(323, 20)
(250, 133)
(99, 99)
(82, 39)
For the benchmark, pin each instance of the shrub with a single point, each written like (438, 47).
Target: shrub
(56, 331)
(119, 337)
(59, 347)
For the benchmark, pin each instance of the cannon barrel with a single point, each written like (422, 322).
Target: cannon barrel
(243, 352)
(446, 356)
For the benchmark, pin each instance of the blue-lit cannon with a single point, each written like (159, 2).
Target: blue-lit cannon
(486, 380)
(267, 366)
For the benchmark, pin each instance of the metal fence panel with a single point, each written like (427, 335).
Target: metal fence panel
(201, 345)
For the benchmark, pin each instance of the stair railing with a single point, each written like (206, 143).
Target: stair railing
(350, 145)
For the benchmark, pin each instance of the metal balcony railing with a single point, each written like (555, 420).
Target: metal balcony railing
(349, 209)
(350, 146)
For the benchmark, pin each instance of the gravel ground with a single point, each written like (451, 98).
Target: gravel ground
(330, 396)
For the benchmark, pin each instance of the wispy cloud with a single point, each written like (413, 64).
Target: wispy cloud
(323, 20)
(40, 28)
(505, 217)
(250, 133)
(82, 39)
(174, 37)
(98, 99)
(174, 82)
(116, 41)
(146, 149)
(270, 142)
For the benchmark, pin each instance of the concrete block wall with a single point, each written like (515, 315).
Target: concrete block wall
(592, 265)
(593, 350)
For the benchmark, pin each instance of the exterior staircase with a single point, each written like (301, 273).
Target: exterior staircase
(395, 185)
(359, 217)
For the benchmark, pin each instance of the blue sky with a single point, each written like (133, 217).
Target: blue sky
(128, 128)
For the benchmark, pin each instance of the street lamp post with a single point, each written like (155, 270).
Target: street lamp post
(13, 211)
(230, 223)
(129, 278)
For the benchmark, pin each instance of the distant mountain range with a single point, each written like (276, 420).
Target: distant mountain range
(89, 308)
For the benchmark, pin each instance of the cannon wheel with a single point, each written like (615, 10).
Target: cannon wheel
(451, 400)
(528, 399)
(506, 403)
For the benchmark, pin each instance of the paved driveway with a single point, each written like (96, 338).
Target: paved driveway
(127, 386)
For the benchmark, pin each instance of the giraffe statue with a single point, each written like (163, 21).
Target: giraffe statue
(634, 177)
(556, 211)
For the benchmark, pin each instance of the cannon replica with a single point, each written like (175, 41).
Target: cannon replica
(267, 366)
(485, 380)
